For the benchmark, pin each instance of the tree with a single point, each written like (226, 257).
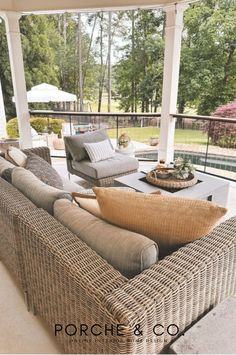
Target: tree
(76, 60)
(39, 41)
(139, 72)
(208, 59)
(221, 133)
(5, 73)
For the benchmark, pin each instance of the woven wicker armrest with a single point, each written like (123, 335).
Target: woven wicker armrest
(70, 284)
(66, 279)
(179, 289)
(43, 152)
(12, 204)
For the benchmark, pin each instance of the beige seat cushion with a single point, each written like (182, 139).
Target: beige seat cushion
(170, 221)
(41, 194)
(128, 252)
(88, 203)
(70, 186)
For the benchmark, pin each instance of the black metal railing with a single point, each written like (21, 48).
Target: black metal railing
(209, 142)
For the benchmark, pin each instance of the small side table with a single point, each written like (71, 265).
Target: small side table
(129, 151)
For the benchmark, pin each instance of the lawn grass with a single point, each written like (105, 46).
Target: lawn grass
(143, 134)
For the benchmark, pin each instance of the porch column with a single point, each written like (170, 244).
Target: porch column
(173, 33)
(3, 131)
(18, 76)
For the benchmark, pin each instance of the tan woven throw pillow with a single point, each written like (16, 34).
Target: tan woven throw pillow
(170, 221)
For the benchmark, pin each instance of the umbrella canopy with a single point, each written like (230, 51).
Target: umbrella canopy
(48, 93)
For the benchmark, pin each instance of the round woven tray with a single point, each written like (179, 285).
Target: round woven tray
(171, 182)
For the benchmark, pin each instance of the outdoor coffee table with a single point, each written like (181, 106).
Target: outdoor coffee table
(208, 187)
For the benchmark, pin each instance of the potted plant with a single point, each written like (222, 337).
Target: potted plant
(183, 168)
(123, 141)
(153, 141)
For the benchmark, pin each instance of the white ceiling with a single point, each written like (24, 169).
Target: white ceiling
(51, 6)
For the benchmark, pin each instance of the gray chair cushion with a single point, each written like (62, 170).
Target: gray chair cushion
(126, 251)
(44, 171)
(71, 186)
(75, 144)
(116, 165)
(41, 194)
(5, 164)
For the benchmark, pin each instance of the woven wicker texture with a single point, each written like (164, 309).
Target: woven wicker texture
(69, 283)
(67, 279)
(12, 204)
(170, 183)
(43, 152)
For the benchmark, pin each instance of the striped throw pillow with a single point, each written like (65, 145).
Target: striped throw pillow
(99, 151)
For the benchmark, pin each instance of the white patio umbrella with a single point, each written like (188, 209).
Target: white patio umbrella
(48, 93)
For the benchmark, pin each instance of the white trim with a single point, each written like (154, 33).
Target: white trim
(18, 76)
(173, 33)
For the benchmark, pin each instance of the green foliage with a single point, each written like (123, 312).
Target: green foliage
(40, 40)
(40, 124)
(138, 75)
(5, 73)
(208, 58)
(12, 128)
(221, 133)
(55, 125)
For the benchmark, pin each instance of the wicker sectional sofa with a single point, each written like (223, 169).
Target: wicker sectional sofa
(92, 307)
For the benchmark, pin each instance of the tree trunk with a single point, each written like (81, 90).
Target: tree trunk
(100, 90)
(89, 48)
(65, 50)
(109, 62)
(81, 94)
(133, 86)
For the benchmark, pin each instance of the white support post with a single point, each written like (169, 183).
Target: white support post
(3, 131)
(18, 76)
(173, 34)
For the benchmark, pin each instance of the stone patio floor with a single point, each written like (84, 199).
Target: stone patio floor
(20, 331)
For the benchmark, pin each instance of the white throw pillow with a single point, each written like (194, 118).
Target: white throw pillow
(99, 151)
(17, 156)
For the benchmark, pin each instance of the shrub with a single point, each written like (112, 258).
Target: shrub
(55, 125)
(12, 128)
(40, 124)
(220, 133)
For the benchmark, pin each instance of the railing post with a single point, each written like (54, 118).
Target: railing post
(207, 147)
(70, 125)
(117, 128)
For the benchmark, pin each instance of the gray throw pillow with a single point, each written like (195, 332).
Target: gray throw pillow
(44, 171)
(76, 147)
